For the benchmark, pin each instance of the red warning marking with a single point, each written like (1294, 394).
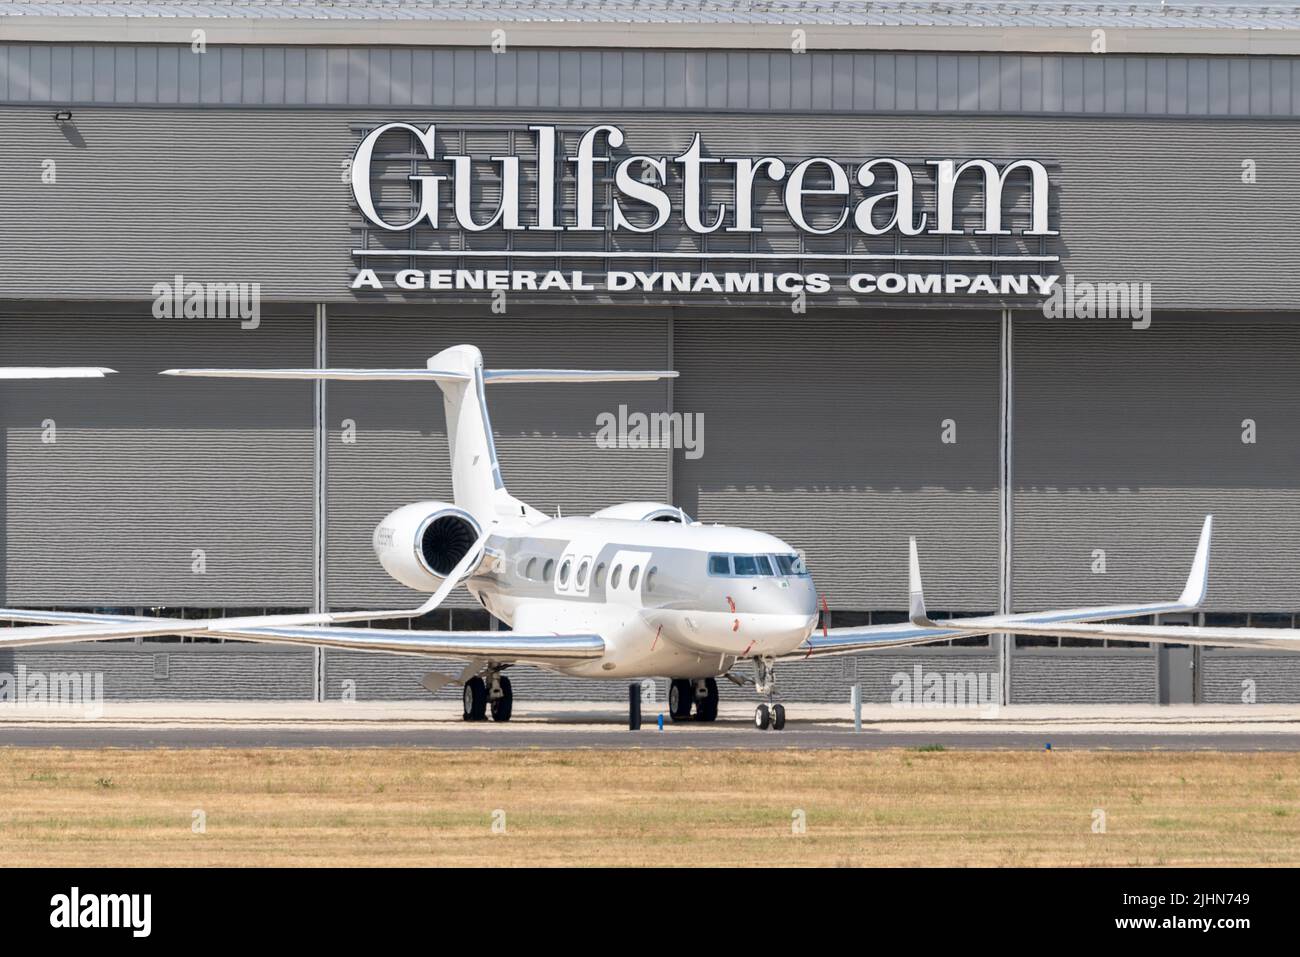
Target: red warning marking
(746, 651)
(656, 638)
(826, 613)
(735, 624)
(731, 603)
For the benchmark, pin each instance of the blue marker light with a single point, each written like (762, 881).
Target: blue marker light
(661, 722)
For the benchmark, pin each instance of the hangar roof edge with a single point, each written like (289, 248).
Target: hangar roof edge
(1142, 26)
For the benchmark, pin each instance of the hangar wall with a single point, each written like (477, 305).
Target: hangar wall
(1158, 203)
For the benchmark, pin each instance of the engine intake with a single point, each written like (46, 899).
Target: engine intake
(421, 544)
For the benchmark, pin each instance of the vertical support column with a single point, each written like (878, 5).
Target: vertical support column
(1005, 524)
(320, 598)
(672, 453)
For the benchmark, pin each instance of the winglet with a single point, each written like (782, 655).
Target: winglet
(1199, 578)
(915, 595)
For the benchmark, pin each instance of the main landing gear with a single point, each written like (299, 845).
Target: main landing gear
(702, 693)
(494, 695)
(770, 714)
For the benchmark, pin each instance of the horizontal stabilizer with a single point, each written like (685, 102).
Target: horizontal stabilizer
(494, 376)
(490, 376)
(345, 375)
(54, 372)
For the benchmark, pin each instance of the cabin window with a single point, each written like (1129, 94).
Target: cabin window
(650, 578)
(564, 572)
(615, 575)
(632, 577)
(530, 567)
(719, 564)
(599, 578)
(582, 574)
(745, 564)
(547, 569)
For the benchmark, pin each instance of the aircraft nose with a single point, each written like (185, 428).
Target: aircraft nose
(799, 597)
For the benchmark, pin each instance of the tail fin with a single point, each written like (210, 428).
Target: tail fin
(475, 472)
(475, 469)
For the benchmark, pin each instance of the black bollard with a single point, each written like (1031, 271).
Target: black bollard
(634, 707)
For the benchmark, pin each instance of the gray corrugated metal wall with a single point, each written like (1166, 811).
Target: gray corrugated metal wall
(1083, 676)
(144, 470)
(147, 468)
(466, 78)
(1125, 439)
(258, 196)
(177, 672)
(817, 430)
(1236, 677)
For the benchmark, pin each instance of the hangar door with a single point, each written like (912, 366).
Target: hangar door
(140, 491)
(845, 434)
(1124, 440)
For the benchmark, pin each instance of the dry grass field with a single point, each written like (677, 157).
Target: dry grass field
(420, 807)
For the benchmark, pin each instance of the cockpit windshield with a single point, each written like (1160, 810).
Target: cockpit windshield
(751, 566)
(790, 565)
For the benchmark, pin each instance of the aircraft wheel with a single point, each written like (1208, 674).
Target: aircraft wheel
(778, 717)
(503, 706)
(474, 699)
(706, 708)
(680, 697)
(762, 717)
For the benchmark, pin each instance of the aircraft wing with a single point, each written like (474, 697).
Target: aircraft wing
(849, 641)
(1285, 638)
(1071, 622)
(494, 646)
(323, 629)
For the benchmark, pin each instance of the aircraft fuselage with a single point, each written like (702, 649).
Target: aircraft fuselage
(667, 598)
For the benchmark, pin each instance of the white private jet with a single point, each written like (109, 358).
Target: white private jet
(634, 591)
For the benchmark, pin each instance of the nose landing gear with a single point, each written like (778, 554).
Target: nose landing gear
(773, 717)
(770, 714)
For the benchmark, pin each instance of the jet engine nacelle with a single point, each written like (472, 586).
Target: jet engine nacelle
(420, 544)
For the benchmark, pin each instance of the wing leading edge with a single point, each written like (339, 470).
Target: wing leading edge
(1072, 622)
(494, 646)
(53, 627)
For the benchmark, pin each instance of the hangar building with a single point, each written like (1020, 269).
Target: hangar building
(856, 178)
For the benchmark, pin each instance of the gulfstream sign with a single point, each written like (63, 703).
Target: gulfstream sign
(641, 203)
